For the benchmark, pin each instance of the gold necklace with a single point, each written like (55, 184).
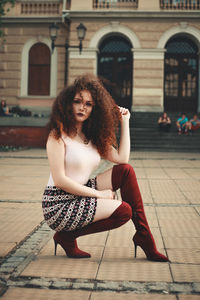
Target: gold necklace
(85, 140)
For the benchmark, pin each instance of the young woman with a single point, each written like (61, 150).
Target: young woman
(164, 122)
(82, 129)
(4, 110)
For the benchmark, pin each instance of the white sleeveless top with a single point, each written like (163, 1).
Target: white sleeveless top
(80, 160)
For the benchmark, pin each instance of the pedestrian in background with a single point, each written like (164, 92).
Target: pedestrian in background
(82, 129)
(194, 123)
(4, 110)
(164, 123)
(182, 124)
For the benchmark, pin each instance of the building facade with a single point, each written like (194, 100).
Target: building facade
(149, 51)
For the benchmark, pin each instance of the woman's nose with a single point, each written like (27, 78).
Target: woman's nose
(82, 106)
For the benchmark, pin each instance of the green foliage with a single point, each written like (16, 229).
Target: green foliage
(3, 12)
(2, 6)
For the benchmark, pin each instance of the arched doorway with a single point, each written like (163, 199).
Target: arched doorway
(181, 75)
(115, 64)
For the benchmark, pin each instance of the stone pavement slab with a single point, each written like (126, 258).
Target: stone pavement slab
(170, 186)
(156, 173)
(166, 191)
(38, 294)
(186, 272)
(145, 191)
(188, 256)
(134, 271)
(129, 296)
(60, 267)
(17, 221)
(23, 179)
(188, 297)
(193, 197)
(176, 173)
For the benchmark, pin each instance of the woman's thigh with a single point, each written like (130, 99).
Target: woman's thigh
(104, 180)
(105, 208)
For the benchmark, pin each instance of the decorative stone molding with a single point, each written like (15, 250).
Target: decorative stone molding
(138, 108)
(148, 92)
(149, 53)
(24, 66)
(40, 8)
(110, 29)
(183, 25)
(114, 24)
(87, 53)
(189, 30)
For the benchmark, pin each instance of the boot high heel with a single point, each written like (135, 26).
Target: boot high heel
(55, 249)
(69, 244)
(146, 241)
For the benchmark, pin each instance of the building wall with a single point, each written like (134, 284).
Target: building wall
(13, 86)
(144, 28)
(148, 56)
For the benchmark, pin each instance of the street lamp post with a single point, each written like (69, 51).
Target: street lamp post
(81, 31)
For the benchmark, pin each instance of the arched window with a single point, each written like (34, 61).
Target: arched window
(39, 70)
(181, 75)
(115, 63)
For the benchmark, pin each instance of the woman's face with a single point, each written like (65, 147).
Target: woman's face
(165, 115)
(82, 106)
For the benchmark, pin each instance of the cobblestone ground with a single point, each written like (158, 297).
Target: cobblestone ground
(170, 186)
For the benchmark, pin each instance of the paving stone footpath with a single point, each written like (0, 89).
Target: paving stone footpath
(170, 186)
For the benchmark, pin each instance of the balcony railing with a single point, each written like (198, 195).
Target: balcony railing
(115, 4)
(40, 8)
(180, 4)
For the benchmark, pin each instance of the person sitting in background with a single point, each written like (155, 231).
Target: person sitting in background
(182, 124)
(194, 123)
(4, 110)
(164, 122)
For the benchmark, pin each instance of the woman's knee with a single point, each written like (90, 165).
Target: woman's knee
(120, 174)
(124, 169)
(127, 210)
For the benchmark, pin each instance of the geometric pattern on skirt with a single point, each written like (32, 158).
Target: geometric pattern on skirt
(67, 212)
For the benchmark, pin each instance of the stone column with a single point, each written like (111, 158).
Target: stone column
(148, 79)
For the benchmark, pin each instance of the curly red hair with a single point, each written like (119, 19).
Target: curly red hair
(102, 125)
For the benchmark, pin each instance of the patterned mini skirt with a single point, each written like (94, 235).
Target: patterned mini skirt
(65, 211)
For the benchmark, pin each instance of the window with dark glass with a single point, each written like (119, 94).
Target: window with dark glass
(39, 70)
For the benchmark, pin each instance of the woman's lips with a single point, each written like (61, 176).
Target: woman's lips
(80, 115)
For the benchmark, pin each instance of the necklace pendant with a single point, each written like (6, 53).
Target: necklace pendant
(85, 141)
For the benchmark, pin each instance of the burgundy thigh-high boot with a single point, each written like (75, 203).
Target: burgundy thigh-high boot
(67, 239)
(123, 177)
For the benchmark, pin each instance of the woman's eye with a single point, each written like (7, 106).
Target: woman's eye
(77, 101)
(89, 104)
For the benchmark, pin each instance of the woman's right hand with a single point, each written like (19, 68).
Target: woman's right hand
(105, 194)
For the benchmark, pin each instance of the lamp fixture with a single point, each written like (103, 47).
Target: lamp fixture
(53, 30)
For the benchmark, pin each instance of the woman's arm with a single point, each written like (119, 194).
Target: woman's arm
(168, 120)
(121, 155)
(56, 153)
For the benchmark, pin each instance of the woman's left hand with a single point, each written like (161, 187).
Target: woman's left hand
(125, 114)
